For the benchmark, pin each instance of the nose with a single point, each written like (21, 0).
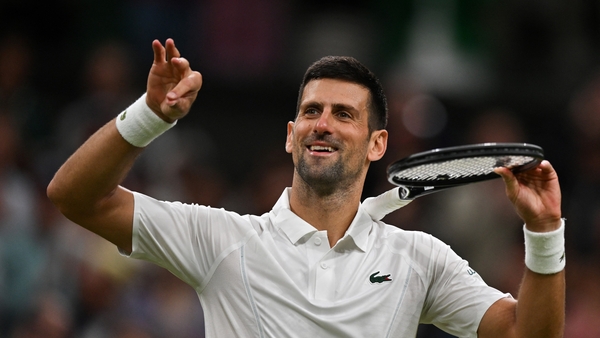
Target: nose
(324, 123)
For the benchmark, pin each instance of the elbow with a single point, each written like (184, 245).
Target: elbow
(78, 205)
(62, 198)
(56, 195)
(52, 191)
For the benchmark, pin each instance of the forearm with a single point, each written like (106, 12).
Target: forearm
(541, 305)
(540, 309)
(90, 177)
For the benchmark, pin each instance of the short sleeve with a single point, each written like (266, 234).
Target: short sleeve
(187, 239)
(458, 297)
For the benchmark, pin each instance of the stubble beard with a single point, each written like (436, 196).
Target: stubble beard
(326, 179)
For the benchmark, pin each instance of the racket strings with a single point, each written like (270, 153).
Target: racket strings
(461, 168)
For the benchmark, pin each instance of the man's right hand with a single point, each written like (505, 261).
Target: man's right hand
(172, 85)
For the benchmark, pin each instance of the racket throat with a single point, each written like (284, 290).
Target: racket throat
(404, 193)
(410, 193)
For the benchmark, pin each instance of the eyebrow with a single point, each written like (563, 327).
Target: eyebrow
(341, 106)
(336, 106)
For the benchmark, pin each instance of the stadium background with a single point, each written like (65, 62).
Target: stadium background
(455, 72)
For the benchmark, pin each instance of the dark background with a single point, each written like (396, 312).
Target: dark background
(67, 67)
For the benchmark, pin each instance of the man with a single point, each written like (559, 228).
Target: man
(317, 264)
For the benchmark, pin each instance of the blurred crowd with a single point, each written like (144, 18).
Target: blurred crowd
(456, 72)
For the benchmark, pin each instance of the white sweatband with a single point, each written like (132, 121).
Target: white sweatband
(139, 125)
(378, 207)
(545, 251)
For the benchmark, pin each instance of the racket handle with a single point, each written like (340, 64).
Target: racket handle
(378, 207)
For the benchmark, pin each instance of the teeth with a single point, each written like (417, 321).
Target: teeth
(321, 148)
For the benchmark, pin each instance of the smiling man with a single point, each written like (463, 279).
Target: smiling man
(318, 264)
(332, 143)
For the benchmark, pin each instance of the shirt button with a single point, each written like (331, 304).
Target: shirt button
(324, 265)
(317, 241)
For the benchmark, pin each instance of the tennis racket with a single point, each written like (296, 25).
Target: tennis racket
(438, 169)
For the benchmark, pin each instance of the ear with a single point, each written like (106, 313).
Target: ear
(290, 134)
(378, 145)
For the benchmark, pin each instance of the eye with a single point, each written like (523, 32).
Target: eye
(311, 111)
(344, 114)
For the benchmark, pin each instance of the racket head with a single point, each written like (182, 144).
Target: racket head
(445, 167)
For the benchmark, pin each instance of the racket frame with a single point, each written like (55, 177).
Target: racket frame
(410, 189)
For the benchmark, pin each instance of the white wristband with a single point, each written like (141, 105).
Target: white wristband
(545, 251)
(378, 207)
(139, 125)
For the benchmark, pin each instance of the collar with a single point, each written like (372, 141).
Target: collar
(295, 228)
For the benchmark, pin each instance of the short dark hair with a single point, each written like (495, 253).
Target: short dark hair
(349, 69)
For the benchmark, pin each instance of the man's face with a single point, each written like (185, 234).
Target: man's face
(330, 141)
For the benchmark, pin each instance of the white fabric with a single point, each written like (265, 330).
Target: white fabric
(545, 251)
(275, 276)
(379, 206)
(139, 125)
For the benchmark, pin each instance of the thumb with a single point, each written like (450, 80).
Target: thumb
(187, 87)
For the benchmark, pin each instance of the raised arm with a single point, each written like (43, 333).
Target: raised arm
(540, 308)
(86, 187)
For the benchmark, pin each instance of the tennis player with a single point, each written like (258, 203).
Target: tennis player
(318, 264)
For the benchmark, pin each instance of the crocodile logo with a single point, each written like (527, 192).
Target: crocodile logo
(123, 115)
(379, 279)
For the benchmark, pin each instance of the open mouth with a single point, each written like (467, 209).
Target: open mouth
(321, 149)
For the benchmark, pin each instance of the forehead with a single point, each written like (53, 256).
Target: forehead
(334, 91)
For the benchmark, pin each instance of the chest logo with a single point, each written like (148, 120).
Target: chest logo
(379, 279)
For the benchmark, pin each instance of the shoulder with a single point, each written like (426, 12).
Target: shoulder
(149, 209)
(400, 239)
(420, 248)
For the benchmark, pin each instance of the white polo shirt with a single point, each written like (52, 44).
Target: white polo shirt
(275, 276)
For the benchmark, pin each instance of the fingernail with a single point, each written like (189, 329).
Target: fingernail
(171, 102)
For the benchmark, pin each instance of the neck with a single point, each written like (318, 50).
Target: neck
(333, 212)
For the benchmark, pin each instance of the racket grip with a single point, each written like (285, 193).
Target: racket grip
(379, 206)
